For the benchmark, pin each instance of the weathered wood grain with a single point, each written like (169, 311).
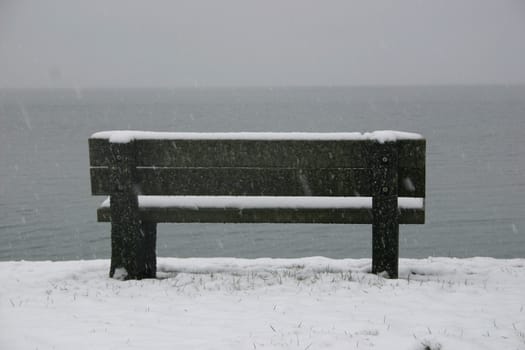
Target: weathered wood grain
(265, 215)
(301, 154)
(259, 181)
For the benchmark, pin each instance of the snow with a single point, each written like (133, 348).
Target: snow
(227, 303)
(253, 202)
(124, 136)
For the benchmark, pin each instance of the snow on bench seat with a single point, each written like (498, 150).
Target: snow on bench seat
(274, 202)
(265, 209)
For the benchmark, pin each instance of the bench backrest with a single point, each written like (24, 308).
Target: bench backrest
(259, 164)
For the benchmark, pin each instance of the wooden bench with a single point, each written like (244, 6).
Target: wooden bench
(319, 178)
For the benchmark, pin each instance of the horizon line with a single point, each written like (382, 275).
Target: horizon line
(291, 86)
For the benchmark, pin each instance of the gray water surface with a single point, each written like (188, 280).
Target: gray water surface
(475, 166)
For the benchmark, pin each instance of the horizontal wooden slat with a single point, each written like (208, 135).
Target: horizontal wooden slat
(266, 215)
(259, 181)
(259, 153)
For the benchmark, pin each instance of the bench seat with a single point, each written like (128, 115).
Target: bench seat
(265, 209)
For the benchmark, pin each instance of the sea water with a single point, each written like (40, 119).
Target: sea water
(475, 166)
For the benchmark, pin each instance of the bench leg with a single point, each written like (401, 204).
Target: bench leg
(133, 250)
(385, 227)
(385, 237)
(132, 241)
(150, 249)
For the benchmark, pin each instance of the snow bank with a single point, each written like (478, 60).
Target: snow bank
(253, 202)
(124, 136)
(223, 303)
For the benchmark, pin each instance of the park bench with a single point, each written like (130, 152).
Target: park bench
(375, 178)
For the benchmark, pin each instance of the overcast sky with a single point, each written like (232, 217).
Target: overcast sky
(125, 43)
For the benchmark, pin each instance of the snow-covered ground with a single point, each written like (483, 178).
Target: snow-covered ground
(309, 303)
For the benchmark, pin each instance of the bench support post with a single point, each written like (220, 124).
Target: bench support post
(131, 240)
(385, 227)
(150, 247)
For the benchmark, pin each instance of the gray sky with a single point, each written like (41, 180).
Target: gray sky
(104, 43)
